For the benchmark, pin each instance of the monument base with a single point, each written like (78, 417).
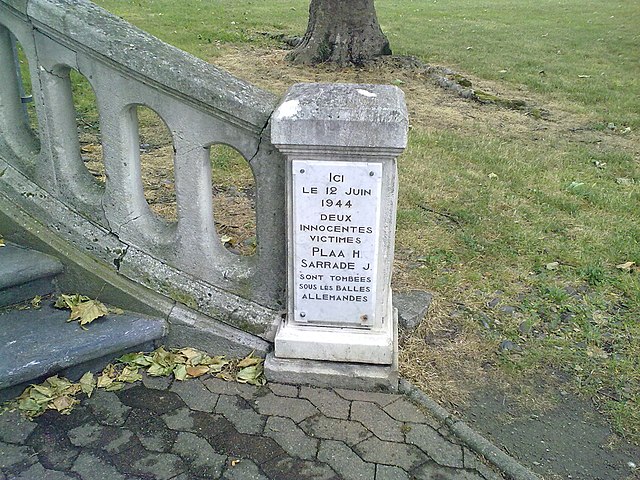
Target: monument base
(338, 344)
(352, 373)
(354, 376)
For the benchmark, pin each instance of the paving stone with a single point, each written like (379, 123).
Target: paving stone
(54, 449)
(200, 458)
(155, 443)
(14, 428)
(179, 419)
(238, 411)
(111, 439)
(205, 425)
(432, 471)
(217, 385)
(470, 459)
(136, 460)
(158, 401)
(156, 383)
(400, 455)
(38, 472)
(473, 462)
(195, 395)
(92, 467)
(14, 455)
(151, 430)
(377, 421)
(382, 399)
(118, 443)
(86, 434)
(287, 468)
(335, 429)
(327, 401)
(386, 472)
(405, 411)
(433, 444)
(488, 473)
(107, 408)
(239, 445)
(80, 415)
(446, 433)
(210, 426)
(297, 409)
(244, 470)
(283, 390)
(291, 438)
(162, 466)
(345, 461)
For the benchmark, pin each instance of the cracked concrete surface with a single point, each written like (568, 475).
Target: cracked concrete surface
(208, 428)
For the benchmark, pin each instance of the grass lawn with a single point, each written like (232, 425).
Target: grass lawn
(526, 229)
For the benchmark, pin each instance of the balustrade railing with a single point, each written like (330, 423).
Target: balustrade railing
(44, 173)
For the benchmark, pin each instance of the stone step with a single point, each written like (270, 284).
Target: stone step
(37, 343)
(25, 273)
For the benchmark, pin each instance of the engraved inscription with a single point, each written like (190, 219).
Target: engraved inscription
(336, 214)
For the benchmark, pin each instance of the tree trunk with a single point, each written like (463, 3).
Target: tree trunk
(341, 32)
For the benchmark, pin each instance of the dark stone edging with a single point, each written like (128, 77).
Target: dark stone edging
(475, 441)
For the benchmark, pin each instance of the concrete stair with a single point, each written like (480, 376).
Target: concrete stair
(25, 273)
(38, 342)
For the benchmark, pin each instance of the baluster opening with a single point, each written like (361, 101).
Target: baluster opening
(88, 125)
(26, 90)
(157, 155)
(234, 205)
(19, 127)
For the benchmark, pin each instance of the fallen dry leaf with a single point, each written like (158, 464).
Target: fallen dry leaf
(64, 404)
(626, 267)
(87, 383)
(60, 393)
(195, 372)
(596, 352)
(86, 312)
(36, 301)
(180, 372)
(68, 301)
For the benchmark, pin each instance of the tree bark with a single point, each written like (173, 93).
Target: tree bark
(342, 32)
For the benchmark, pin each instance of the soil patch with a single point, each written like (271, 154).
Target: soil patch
(550, 430)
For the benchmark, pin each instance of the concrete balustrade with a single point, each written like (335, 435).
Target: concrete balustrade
(126, 68)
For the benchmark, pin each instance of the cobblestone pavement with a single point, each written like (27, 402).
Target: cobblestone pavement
(209, 429)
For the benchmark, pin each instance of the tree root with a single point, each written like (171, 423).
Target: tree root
(448, 216)
(460, 85)
(291, 41)
(445, 78)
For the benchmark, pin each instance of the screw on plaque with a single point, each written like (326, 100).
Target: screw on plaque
(302, 314)
(364, 318)
(371, 174)
(302, 170)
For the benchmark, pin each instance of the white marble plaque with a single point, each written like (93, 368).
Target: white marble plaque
(336, 216)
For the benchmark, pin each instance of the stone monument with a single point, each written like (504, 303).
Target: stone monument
(341, 143)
